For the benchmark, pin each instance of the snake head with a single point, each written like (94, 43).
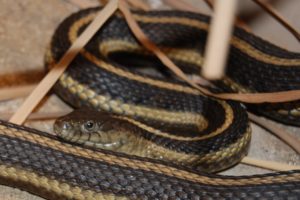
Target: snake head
(90, 128)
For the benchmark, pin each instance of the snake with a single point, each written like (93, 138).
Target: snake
(108, 82)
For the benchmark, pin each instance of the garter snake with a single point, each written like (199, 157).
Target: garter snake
(42, 164)
(178, 123)
(161, 107)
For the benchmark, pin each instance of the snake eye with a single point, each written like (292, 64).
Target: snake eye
(89, 125)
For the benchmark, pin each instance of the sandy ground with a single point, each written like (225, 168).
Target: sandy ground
(26, 27)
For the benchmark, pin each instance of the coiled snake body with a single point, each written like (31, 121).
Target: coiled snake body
(178, 122)
(216, 132)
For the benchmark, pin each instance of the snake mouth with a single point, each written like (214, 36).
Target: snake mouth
(95, 139)
(107, 145)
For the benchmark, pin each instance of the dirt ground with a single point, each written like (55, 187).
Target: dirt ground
(26, 27)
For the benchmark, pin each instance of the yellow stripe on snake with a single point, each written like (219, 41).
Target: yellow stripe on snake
(179, 125)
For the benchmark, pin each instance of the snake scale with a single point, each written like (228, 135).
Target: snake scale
(160, 107)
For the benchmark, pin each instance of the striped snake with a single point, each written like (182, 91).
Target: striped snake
(155, 108)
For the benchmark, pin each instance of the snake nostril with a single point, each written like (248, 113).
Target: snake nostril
(60, 126)
(65, 125)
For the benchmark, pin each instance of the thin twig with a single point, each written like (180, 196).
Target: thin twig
(282, 134)
(46, 84)
(269, 9)
(218, 42)
(276, 166)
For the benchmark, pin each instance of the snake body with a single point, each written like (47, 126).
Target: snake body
(161, 107)
(42, 164)
(181, 124)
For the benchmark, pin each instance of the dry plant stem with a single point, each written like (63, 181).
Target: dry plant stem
(37, 116)
(285, 136)
(268, 8)
(218, 43)
(15, 92)
(276, 166)
(45, 85)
